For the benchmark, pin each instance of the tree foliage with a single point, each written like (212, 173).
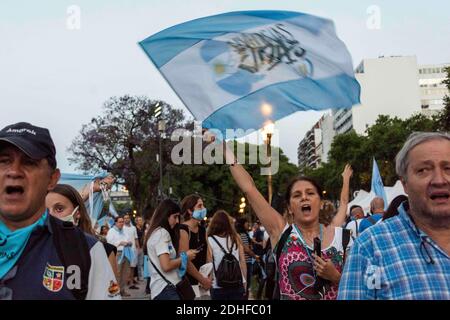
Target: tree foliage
(124, 140)
(443, 117)
(382, 141)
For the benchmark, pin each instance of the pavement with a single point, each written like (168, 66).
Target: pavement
(138, 294)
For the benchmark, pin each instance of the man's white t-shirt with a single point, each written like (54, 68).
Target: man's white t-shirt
(160, 243)
(115, 237)
(218, 254)
(132, 236)
(353, 226)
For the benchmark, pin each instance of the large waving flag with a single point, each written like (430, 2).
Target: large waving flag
(225, 68)
(377, 185)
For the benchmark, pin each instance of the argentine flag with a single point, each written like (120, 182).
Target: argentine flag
(227, 68)
(377, 185)
(94, 206)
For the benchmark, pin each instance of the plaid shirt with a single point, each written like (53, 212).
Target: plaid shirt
(395, 260)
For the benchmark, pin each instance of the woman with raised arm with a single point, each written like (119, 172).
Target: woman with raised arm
(301, 274)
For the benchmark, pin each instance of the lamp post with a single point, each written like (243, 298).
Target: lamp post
(157, 112)
(161, 129)
(267, 133)
(242, 206)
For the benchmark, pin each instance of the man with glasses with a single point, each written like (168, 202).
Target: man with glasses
(408, 256)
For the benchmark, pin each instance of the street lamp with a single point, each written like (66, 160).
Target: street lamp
(161, 129)
(267, 134)
(157, 112)
(242, 206)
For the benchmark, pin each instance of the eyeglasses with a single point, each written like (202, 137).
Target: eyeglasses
(423, 247)
(423, 244)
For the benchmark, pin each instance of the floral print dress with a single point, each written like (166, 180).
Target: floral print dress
(296, 274)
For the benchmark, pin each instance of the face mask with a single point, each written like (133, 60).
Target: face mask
(199, 214)
(70, 217)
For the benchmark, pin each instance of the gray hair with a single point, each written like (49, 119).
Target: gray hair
(416, 138)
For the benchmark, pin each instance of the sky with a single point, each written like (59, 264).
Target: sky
(58, 77)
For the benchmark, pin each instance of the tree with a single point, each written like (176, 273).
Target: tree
(124, 141)
(443, 117)
(382, 141)
(217, 187)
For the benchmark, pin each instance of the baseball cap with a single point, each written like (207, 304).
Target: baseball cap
(35, 142)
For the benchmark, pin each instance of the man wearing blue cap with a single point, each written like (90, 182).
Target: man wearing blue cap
(40, 256)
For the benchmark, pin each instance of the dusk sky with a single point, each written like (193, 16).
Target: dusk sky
(59, 78)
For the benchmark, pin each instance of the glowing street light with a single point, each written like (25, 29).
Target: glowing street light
(267, 132)
(266, 109)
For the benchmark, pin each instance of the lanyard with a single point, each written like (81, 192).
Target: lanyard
(304, 242)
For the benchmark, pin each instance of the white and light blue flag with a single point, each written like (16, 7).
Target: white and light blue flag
(377, 185)
(93, 205)
(225, 68)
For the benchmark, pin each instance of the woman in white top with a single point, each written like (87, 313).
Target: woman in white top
(162, 243)
(222, 237)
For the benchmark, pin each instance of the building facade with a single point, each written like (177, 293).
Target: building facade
(396, 86)
(314, 148)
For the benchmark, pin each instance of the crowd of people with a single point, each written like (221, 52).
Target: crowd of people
(306, 250)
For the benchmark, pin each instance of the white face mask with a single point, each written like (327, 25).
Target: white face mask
(70, 217)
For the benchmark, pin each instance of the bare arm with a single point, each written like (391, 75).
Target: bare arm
(108, 181)
(184, 246)
(242, 262)
(113, 262)
(339, 218)
(136, 242)
(249, 251)
(168, 264)
(269, 217)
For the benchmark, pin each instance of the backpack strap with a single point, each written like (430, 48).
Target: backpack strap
(73, 250)
(281, 242)
(159, 272)
(371, 220)
(279, 248)
(223, 250)
(345, 241)
(357, 228)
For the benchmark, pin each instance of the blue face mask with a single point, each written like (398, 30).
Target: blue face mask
(199, 214)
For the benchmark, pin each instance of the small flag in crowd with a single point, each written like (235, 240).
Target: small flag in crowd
(225, 68)
(377, 185)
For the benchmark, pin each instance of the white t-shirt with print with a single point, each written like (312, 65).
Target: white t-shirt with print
(218, 254)
(160, 243)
